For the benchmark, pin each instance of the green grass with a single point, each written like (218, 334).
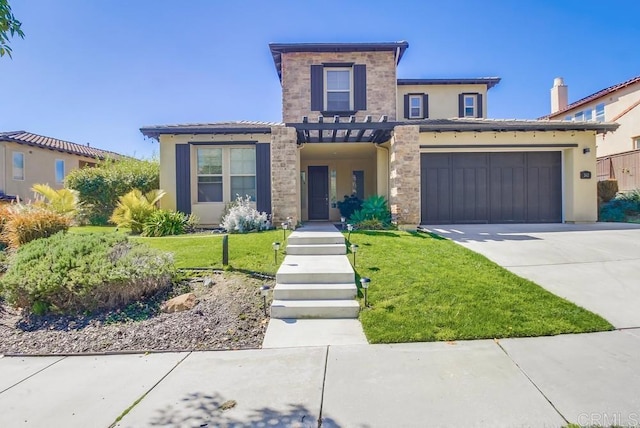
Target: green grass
(426, 288)
(247, 252)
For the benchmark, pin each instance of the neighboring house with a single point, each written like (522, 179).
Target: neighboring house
(618, 152)
(29, 159)
(350, 125)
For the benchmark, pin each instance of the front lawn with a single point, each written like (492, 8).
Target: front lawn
(426, 288)
(250, 252)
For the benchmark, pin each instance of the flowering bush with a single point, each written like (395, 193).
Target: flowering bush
(242, 217)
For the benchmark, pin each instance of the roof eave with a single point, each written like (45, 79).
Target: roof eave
(155, 132)
(490, 82)
(600, 128)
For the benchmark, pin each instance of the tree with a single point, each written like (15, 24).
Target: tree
(9, 27)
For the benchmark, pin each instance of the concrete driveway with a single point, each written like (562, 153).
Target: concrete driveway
(596, 266)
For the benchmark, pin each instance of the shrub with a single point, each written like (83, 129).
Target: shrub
(622, 206)
(607, 190)
(134, 209)
(349, 205)
(26, 223)
(242, 217)
(631, 196)
(71, 273)
(373, 208)
(62, 201)
(99, 188)
(164, 223)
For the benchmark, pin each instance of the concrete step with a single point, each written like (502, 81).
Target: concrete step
(315, 270)
(316, 249)
(314, 309)
(314, 291)
(315, 237)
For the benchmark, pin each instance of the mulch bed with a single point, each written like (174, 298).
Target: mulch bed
(229, 315)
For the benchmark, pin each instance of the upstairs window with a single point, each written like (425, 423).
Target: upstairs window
(59, 170)
(588, 114)
(338, 89)
(579, 117)
(18, 166)
(416, 106)
(636, 143)
(600, 112)
(470, 105)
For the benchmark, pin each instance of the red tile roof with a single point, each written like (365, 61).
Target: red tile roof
(35, 140)
(594, 96)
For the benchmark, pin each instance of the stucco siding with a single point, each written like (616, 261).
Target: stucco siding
(39, 168)
(443, 99)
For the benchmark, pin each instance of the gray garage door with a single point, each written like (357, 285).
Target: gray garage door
(521, 187)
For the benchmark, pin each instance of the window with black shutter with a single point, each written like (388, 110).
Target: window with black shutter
(338, 88)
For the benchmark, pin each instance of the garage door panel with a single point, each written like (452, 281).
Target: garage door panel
(491, 187)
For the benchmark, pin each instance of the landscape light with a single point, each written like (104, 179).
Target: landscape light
(364, 282)
(264, 291)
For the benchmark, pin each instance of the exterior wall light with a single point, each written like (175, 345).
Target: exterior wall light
(264, 291)
(364, 283)
(276, 247)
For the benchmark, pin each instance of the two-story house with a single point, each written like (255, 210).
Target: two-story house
(618, 152)
(29, 159)
(350, 125)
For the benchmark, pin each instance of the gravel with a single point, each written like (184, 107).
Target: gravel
(228, 315)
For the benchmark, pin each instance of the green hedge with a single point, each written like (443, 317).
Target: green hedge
(99, 188)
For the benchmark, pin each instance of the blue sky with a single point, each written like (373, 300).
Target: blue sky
(97, 70)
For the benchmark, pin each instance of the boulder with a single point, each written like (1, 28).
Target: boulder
(180, 303)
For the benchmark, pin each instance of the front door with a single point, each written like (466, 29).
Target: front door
(318, 193)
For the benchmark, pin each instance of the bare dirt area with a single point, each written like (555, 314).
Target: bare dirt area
(228, 315)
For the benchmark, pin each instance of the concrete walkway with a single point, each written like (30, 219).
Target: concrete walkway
(596, 266)
(314, 294)
(587, 379)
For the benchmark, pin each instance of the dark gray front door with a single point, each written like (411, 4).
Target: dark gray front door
(318, 193)
(517, 187)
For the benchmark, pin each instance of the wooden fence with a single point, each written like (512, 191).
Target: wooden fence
(624, 167)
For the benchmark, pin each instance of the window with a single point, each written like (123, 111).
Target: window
(243, 172)
(415, 107)
(600, 112)
(338, 89)
(568, 117)
(588, 114)
(209, 175)
(18, 166)
(636, 143)
(59, 170)
(469, 106)
(357, 184)
(579, 117)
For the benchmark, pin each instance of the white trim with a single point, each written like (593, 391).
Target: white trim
(326, 89)
(420, 106)
(473, 97)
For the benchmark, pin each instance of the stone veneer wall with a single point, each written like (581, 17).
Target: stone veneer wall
(285, 198)
(404, 157)
(296, 83)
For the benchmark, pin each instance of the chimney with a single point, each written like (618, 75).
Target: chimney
(559, 95)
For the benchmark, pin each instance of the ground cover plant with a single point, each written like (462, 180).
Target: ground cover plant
(426, 288)
(71, 273)
(624, 207)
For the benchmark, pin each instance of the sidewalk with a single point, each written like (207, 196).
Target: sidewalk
(588, 379)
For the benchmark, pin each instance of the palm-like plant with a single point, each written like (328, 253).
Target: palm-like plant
(134, 209)
(62, 201)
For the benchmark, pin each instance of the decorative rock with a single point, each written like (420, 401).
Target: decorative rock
(184, 302)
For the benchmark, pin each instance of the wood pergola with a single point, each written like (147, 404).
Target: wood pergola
(350, 131)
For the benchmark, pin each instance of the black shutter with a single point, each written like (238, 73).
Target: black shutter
(425, 106)
(461, 105)
(183, 178)
(359, 87)
(317, 88)
(263, 177)
(406, 107)
(479, 109)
